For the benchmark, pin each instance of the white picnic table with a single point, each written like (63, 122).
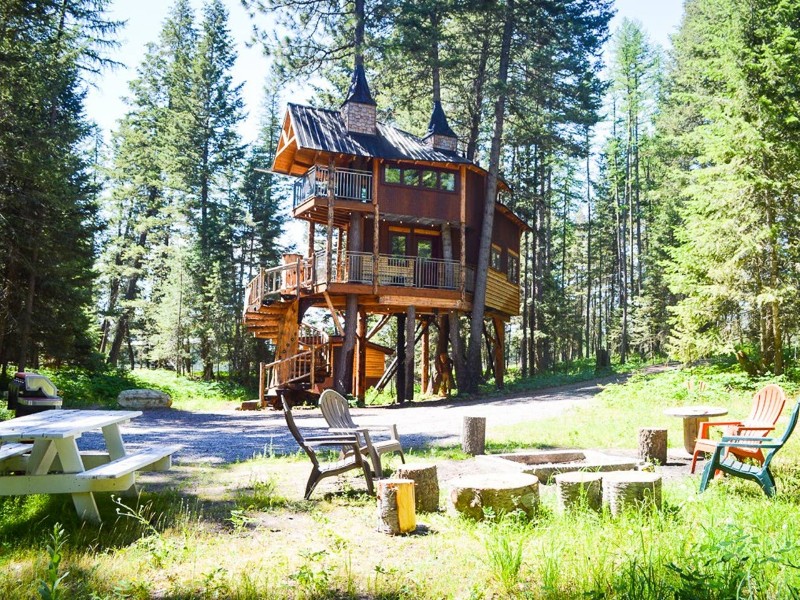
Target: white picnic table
(39, 454)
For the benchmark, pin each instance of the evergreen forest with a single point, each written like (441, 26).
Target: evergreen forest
(661, 187)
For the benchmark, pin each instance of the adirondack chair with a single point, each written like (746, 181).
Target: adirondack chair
(337, 413)
(768, 405)
(727, 463)
(352, 459)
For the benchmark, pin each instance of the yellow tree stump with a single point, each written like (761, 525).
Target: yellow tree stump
(396, 511)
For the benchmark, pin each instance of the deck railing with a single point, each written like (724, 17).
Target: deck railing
(349, 184)
(358, 267)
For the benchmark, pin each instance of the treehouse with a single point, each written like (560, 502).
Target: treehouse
(401, 218)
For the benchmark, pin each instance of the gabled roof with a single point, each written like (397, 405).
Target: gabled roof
(323, 130)
(438, 124)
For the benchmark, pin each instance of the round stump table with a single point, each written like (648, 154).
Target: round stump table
(692, 417)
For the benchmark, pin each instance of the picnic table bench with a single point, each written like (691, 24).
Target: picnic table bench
(39, 455)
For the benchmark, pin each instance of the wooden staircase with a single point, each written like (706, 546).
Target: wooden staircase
(302, 353)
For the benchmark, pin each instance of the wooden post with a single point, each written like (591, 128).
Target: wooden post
(411, 322)
(463, 232)
(261, 388)
(331, 199)
(311, 231)
(376, 172)
(396, 513)
(400, 371)
(653, 445)
(499, 351)
(361, 371)
(425, 360)
(473, 435)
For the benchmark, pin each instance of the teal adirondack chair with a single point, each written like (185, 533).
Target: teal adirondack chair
(758, 473)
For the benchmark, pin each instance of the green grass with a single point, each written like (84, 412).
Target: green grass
(243, 531)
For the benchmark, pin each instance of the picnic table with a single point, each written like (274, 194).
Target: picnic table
(39, 454)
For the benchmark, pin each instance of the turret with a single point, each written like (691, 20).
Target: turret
(360, 109)
(440, 136)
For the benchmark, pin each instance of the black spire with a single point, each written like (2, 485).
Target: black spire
(438, 123)
(359, 90)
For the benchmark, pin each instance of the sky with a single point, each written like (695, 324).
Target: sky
(143, 20)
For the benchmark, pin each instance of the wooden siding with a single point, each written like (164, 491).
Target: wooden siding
(502, 295)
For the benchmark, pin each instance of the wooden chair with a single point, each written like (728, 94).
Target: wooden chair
(352, 459)
(336, 411)
(758, 473)
(768, 405)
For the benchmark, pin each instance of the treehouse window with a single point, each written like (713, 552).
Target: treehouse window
(495, 258)
(430, 179)
(447, 182)
(392, 175)
(513, 268)
(399, 244)
(426, 178)
(411, 177)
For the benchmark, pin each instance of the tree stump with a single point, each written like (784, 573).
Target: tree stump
(626, 489)
(426, 492)
(503, 493)
(578, 489)
(473, 435)
(396, 506)
(653, 445)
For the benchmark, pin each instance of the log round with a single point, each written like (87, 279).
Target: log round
(426, 479)
(396, 506)
(630, 489)
(502, 493)
(142, 399)
(653, 445)
(579, 489)
(473, 435)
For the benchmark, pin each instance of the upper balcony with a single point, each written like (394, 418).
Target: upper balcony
(349, 184)
(407, 276)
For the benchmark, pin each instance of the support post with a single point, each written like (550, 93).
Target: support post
(411, 323)
(329, 239)
(499, 352)
(361, 372)
(311, 231)
(425, 375)
(400, 372)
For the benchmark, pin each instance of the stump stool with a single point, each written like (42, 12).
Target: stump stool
(426, 493)
(396, 506)
(580, 488)
(625, 489)
(503, 493)
(653, 445)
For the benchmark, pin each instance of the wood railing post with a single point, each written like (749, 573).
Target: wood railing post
(261, 390)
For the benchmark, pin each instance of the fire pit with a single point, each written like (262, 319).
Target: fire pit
(545, 464)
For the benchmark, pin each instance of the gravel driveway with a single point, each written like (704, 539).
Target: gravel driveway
(229, 436)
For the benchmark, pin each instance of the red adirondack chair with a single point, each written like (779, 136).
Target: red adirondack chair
(768, 405)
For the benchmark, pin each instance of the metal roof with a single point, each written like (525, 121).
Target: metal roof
(324, 130)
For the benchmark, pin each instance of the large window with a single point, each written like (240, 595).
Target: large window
(426, 178)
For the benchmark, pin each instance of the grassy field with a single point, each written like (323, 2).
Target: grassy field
(243, 530)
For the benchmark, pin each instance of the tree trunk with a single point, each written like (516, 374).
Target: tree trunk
(479, 294)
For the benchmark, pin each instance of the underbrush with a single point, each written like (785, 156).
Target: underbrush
(80, 388)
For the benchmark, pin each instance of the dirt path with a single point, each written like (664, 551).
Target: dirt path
(229, 436)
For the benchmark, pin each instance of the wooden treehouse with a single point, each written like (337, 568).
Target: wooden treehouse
(401, 219)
